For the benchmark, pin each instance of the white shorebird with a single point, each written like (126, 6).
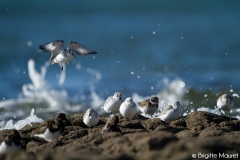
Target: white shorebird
(225, 102)
(11, 142)
(149, 106)
(113, 103)
(61, 55)
(52, 128)
(128, 108)
(91, 118)
(170, 112)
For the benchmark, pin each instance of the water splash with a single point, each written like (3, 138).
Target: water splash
(205, 109)
(42, 92)
(21, 123)
(97, 101)
(38, 95)
(172, 91)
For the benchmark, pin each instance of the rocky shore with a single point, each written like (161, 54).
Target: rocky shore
(199, 135)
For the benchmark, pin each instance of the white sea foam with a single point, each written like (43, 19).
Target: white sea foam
(97, 101)
(27, 121)
(205, 109)
(21, 123)
(172, 91)
(45, 99)
(40, 93)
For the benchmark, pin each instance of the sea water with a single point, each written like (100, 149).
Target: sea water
(186, 51)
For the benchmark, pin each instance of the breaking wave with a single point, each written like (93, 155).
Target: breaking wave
(46, 101)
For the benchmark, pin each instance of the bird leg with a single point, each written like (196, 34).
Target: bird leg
(230, 115)
(220, 111)
(61, 67)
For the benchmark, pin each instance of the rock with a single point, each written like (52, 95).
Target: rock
(140, 138)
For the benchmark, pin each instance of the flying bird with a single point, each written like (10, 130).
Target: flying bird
(61, 55)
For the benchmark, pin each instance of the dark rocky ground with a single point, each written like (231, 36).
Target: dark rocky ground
(141, 138)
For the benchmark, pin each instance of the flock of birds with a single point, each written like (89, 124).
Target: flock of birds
(52, 129)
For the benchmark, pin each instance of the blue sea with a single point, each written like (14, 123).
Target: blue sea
(179, 50)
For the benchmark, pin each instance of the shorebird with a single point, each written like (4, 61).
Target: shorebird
(128, 108)
(61, 55)
(149, 106)
(52, 129)
(113, 103)
(11, 142)
(91, 118)
(170, 112)
(225, 102)
(111, 125)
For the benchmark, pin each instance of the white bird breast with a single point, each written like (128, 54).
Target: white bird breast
(113, 105)
(171, 115)
(127, 109)
(4, 147)
(148, 110)
(49, 136)
(91, 120)
(60, 58)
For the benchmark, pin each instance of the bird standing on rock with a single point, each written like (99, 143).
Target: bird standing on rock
(170, 112)
(11, 142)
(149, 106)
(61, 55)
(52, 128)
(113, 103)
(225, 102)
(128, 108)
(91, 118)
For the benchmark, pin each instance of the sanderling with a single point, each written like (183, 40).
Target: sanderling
(111, 125)
(128, 108)
(113, 103)
(11, 142)
(52, 129)
(91, 118)
(149, 106)
(225, 102)
(61, 55)
(170, 112)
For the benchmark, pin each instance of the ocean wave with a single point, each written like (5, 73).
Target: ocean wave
(48, 101)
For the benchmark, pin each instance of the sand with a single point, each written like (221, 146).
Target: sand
(200, 134)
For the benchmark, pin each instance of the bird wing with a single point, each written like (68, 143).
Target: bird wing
(144, 103)
(108, 100)
(134, 105)
(42, 128)
(166, 109)
(52, 46)
(80, 49)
